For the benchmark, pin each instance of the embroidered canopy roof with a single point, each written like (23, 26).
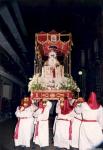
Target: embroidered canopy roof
(61, 43)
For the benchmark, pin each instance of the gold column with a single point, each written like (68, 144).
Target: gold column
(70, 63)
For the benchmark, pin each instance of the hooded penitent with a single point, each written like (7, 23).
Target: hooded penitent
(66, 107)
(77, 101)
(92, 101)
(42, 104)
(26, 102)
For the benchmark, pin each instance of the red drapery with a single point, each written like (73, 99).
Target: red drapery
(46, 40)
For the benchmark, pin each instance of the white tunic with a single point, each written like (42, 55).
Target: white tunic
(58, 109)
(76, 122)
(62, 130)
(26, 127)
(91, 130)
(41, 124)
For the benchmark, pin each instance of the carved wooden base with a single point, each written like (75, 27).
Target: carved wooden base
(51, 94)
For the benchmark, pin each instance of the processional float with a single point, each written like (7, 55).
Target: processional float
(52, 77)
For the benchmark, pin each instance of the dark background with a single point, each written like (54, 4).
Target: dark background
(21, 19)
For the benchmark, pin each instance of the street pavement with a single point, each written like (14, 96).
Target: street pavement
(6, 136)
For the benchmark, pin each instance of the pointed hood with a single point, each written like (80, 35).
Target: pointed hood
(66, 108)
(77, 101)
(92, 101)
(41, 105)
(26, 102)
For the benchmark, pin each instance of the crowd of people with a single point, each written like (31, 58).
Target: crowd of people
(78, 123)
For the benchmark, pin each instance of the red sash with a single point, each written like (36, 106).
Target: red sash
(70, 130)
(70, 127)
(84, 120)
(36, 129)
(16, 130)
(63, 119)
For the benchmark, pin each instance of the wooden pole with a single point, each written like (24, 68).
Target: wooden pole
(70, 63)
(67, 71)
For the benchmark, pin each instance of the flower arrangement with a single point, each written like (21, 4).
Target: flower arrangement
(35, 83)
(70, 84)
(39, 83)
